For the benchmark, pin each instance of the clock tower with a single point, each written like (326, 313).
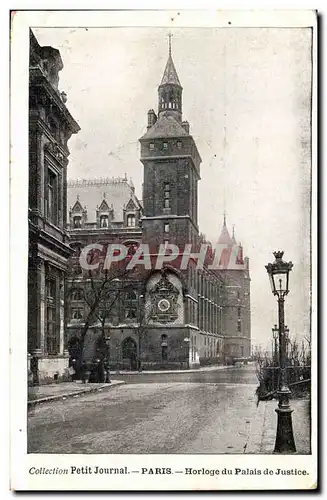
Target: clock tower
(171, 169)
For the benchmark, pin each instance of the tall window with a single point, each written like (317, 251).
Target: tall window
(77, 222)
(131, 220)
(239, 321)
(52, 339)
(130, 305)
(104, 221)
(166, 227)
(167, 195)
(52, 197)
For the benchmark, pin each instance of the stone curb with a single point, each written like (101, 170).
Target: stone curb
(56, 397)
(160, 372)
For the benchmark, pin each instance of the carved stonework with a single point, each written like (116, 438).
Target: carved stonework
(54, 150)
(164, 301)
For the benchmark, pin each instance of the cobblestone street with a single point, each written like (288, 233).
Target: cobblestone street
(207, 415)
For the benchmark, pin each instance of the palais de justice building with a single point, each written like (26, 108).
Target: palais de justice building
(170, 317)
(50, 127)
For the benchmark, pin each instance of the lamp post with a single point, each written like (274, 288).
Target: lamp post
(275, 332)
(141, 311)
(278, 272)
(287, 340)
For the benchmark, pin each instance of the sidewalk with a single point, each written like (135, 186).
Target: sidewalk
(264, 425)
(159, 372)
(63, 390)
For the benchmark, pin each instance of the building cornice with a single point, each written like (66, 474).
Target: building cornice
(39, 78)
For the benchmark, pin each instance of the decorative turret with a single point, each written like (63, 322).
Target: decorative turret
(224, 238)
(233, 236)
(170, 90)
(152, 118)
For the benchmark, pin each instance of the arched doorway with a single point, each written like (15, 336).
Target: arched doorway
(129, 351)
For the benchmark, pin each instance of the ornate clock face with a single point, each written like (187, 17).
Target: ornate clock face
(163, 305)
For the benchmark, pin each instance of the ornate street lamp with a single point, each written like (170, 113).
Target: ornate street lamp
(278, 273)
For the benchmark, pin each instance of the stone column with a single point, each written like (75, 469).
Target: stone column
(39, 344)
(61, 313)
(206, 315)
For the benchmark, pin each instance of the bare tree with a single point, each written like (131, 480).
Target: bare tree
(97, 290)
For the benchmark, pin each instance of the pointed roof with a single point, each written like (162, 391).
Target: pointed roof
(170, 73)
(77, 206)
(224, 238)
(104, 205)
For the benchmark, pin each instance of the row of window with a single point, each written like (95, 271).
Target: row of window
(103, 221)
(164, 145)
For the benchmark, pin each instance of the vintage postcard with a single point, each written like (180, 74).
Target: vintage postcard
(164, 221)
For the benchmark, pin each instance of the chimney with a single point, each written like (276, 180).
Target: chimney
(152, 118)
(186, 127)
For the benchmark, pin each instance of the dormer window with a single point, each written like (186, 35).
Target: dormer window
(165, 145)
(77, 222)
(104, 221)
(131, 220)
(179, 144)
(151, 146)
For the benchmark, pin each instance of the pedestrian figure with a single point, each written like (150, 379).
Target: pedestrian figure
(84, 372)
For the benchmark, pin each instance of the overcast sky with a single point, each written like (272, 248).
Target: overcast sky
(247, 94)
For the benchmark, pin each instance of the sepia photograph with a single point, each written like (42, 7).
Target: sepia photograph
(170, 190)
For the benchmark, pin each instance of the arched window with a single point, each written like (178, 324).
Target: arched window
(78, 295)
(131, 220)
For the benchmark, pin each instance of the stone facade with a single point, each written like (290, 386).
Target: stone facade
(50, 127)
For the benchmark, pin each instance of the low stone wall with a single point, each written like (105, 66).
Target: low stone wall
(51, 369)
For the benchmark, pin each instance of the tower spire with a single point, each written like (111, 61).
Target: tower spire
(233, 235)
(170, 37)
(224, 237)
(170, 89)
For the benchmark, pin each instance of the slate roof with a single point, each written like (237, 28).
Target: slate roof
(170, 74)
(91, 193)
(165, 126)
